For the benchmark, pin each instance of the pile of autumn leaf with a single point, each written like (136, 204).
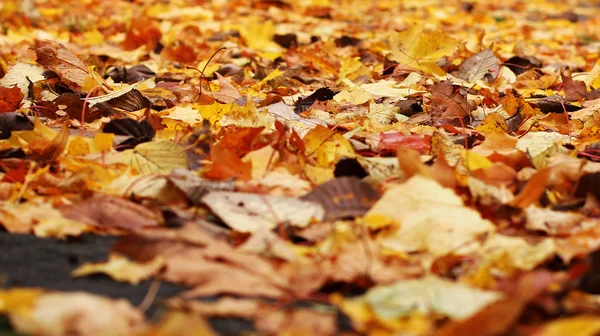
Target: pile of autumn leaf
(416, 182)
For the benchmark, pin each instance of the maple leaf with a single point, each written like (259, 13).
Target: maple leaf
(448, 104)
(419, 49)
(10, 98)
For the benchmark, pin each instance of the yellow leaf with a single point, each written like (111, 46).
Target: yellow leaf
(122, 269)
(430, 218)
(593, 77)
(355, 96)
(18, 301)
(327, 146)
(103, 142)
(247, 116)
(474, 161)
(57, 227)
(259, 36)
(493, 123)
(78, 146)
(576, 325)
(272, 75)
(419, 49)
(40, 131)
(213, 112)
(187, 114)
(352, 68)
(176, 323)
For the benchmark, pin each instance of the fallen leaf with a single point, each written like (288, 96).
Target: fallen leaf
(246, 212)
(581, 325)
(431, 218)
(552, 222)
(20, 75)
(70, 68)
(343, 197)
(194, 258)
(428, 295)
(122, 269)
(483, 65)
(75, 313)
(109, 212)
(10, 98)
(419, 49)
(160, 156)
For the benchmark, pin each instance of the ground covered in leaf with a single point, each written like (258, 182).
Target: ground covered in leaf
(299, 167)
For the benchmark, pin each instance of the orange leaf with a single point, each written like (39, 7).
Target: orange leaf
(10, 98)
(533, 190)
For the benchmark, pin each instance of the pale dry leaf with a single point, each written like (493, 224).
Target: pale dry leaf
(431, 218)
(552, 222)
(427, 295)
(482, 65)
(111, 95)
(187, 114)
(517, 251)
(264, 241)
(245, 212)
(20, 74)
(160, 156)
(43, 219)
(78, 313)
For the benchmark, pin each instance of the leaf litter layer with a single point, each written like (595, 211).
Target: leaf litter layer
(311, 167)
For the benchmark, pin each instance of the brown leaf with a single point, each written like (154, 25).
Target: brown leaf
(344, 197)
(72, 105)
(53, 55)
(574, 90)
(211, 267)
(10, 98)
(448, 105)
(110, 212)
